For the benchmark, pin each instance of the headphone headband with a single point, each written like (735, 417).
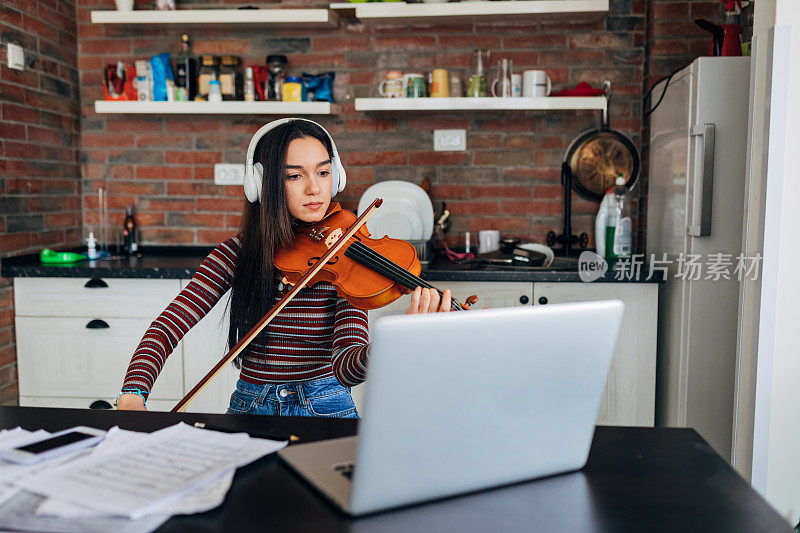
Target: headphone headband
(253, 173)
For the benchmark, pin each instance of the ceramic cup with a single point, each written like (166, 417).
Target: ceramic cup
(536, 84)
(488, 240)
(441, 83)
(392, 86)
(516, 85)
(124, 5)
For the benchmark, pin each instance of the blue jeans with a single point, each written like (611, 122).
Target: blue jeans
(324, 397)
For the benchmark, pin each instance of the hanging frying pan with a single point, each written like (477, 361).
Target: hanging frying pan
(596, 157)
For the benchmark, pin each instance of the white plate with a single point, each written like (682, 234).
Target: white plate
(397, 191)
(398, 221)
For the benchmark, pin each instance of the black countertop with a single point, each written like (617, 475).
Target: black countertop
(637, 479)
(181, 262)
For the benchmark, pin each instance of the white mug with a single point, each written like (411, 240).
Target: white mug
(536, 84)
(124, 5)
(516, 85)
(488, 241)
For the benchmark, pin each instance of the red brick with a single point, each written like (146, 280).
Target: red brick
(499, 191)
(349, 43)
(471, 41)
(213, 237)
(536, 40)
(192, 158)
(20, 114)
(457, 208)
(670, 10)
(375, 158)
(105, 47)
(99, 140)
(438, 158)
(503, 223)
(168, 205)
(168, 235)
(223, 204)
(22, 150)
(164, 173)
(404, 43)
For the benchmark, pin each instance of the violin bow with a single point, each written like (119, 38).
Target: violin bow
(266, 319)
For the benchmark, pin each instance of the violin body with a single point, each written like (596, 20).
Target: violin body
(360, 285)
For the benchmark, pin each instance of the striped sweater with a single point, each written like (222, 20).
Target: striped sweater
(317, 334)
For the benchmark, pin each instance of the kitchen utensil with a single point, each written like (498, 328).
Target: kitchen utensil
(440, 88)
(397, 220)
(501, 86)
(392, 86)
(536, 84)
(398, 191)
(48, 256)
(488, 240)
(591, 165)
(526, 249)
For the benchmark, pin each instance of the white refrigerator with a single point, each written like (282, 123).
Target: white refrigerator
(695, 203)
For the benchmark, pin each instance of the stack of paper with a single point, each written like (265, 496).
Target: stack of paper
(130, 482)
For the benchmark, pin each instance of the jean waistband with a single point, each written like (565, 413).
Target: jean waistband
(292, 391)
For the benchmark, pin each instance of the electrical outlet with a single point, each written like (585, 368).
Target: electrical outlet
(228, 174)
(449, 140)
(16, 57)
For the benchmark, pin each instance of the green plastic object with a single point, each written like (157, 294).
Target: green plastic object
(49, 256)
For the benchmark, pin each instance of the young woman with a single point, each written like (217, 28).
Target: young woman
(316, 348)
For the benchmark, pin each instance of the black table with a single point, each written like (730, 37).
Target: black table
(637, 480)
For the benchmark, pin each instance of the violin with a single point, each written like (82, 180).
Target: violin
(371, 273)
(361, 273)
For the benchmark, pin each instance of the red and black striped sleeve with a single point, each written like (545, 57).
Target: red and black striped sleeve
(350, 344)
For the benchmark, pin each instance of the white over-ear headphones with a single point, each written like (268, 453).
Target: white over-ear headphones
(254, 173)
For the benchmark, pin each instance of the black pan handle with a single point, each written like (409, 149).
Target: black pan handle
(96, 283)
(97, 324)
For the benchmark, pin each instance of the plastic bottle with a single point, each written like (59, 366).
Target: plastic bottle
(214, 89)
(600, 222)
(619, 230)
(91, 246)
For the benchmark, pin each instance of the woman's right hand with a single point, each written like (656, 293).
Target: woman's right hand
(130, 402)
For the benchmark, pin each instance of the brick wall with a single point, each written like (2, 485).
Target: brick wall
(507, 179)
(40, 189)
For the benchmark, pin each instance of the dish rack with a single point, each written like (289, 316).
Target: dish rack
(424, 250)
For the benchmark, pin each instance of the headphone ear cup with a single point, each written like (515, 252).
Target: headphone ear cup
(339, 176)
(252, 183)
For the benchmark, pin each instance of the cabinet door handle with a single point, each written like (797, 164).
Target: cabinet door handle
(543, 300)
(100, 404)
(96, 283)
(97, 324)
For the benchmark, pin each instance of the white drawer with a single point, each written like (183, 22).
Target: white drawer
(84, 403)
(120, 298)
(62, 357)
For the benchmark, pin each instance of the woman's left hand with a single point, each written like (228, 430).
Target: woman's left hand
(428, 301)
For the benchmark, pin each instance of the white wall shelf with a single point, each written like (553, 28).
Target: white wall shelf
(221, 108)
(480, 104)
(217, 16)
(572, 10)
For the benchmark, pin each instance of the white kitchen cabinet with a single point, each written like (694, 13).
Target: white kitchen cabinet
(85, 403)
(629, 398)
(76, 336)
(203, 347)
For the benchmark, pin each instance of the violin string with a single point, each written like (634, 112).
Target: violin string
(395, 269)
(392, 270)
(410, 281)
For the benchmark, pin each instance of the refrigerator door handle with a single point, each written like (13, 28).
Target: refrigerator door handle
(702, 228)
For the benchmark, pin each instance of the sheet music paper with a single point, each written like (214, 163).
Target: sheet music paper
(199, 500)
(141, 477)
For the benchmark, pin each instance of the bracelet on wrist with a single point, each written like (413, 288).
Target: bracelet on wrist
(137, 392)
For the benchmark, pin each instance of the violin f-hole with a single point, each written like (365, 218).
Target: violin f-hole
(313, 261)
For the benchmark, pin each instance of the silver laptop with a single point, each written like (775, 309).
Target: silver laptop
(457, 402)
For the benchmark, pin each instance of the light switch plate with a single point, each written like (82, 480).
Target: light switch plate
(16, 56)
(449, 140)
(228, 174)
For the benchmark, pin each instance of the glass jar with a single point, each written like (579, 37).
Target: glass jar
(276, 68)
(231, 78)
(209, 64)
(293, 89)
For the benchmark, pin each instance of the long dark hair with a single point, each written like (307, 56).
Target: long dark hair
(266, 227)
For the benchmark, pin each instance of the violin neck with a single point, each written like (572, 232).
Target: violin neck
(386, 267)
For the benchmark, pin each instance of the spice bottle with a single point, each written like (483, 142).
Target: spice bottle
(208, 67)
(129, 232)
(231, 78)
